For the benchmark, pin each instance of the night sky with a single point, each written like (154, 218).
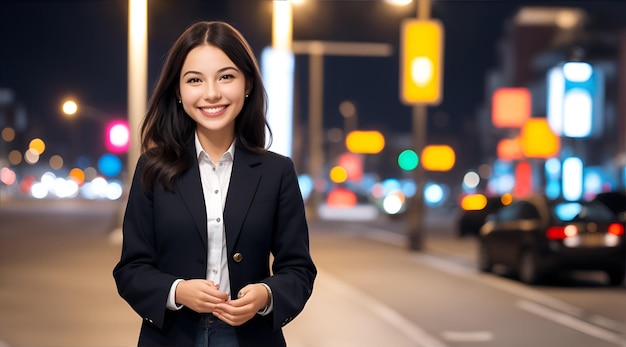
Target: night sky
(54, 49)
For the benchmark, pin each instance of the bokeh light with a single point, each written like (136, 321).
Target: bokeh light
(56, 162)
(471, 180)
(118, 136)
(394, 202)
(15, 157)
(408, 160)
(7, 176)
(37, 145)
(70, 108)
(306, 185)
(341, 197)
(77, 175)
(433, 194)
(338, 174)
(474, 202)
(110, 165)
(8, 134)
(31, 156)
(90, 173)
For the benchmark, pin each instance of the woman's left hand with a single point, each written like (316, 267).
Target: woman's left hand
(250, 300)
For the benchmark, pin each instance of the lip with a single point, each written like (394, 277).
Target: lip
(213, 111)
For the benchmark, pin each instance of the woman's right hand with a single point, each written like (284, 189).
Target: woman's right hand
(199, 295)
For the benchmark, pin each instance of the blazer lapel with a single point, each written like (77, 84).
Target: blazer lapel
(190, 190)
(244, 181)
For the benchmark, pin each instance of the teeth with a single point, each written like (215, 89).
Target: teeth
(213, 109)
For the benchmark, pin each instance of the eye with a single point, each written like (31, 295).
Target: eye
(194, 80)
(227, 77)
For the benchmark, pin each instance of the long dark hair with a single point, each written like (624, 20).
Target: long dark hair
(167, 131)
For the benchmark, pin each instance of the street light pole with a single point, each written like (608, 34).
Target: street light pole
(137, 89)
(316, 143)
(137, 75)
(416, 214)
(415, 217)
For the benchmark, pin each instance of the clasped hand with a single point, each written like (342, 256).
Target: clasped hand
(204, 296)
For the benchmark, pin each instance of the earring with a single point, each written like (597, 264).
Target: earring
(180, 101)
(247, 95)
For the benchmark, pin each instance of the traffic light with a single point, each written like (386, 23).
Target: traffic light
(421, 62)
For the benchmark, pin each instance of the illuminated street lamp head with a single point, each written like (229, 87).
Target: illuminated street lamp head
(70, 108)
(399, 2)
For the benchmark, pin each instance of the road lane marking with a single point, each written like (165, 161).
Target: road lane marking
(571, 322)
(386, 313)
(503, 284)
(604, 324)
(607, 323)
(467, 336)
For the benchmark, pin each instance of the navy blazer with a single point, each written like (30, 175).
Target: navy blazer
(165, 238)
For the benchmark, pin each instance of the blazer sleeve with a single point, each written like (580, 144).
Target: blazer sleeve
(293, 269)
(138, 279)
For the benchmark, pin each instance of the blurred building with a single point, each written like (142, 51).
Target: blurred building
(537, 44)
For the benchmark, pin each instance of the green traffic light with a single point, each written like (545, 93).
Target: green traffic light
(408, 160)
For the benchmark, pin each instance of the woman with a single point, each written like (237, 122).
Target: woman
(209, 205)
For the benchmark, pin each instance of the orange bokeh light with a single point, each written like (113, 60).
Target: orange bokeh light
(510, 107)
(510, 149)
(77, 175)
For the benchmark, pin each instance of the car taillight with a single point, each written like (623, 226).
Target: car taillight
(559, 233)
(616, 229)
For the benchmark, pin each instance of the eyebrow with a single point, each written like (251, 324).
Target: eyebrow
(218, 71)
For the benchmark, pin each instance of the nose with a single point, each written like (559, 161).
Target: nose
(212, 92)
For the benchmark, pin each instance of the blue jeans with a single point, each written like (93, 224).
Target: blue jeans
(212, 332)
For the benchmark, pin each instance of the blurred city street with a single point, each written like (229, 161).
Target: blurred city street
(463, 163)
(56, 288)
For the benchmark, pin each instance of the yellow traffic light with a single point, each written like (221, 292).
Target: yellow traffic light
(365, 142)
(421, 61)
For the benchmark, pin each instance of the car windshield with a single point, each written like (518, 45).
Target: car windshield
(581, 212)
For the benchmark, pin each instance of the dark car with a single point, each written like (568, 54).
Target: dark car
(536, 237)
(472, 218)
(615, 201)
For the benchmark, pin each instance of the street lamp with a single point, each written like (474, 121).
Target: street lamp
(399, 2)
(70, 108)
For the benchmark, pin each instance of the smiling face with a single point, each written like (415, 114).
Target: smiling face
(212, 91)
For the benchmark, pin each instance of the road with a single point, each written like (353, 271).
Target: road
(56, 289)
